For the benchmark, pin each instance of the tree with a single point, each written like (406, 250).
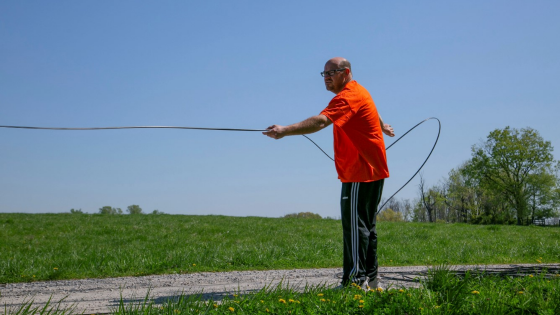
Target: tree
(430, 199)
(507, 165)
(110, 210)
(134, 209)
(76, 211)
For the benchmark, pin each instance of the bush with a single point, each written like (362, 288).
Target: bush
(303, 215)
(76, 211)
(389, 215)
(157, 212)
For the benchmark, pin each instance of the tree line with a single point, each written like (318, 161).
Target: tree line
(132, 209)
(511, 178)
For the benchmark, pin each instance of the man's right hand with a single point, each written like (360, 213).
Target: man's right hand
(275, 132)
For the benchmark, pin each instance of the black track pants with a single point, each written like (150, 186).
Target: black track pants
(358, 205)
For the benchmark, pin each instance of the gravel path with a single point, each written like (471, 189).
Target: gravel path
(102, 295)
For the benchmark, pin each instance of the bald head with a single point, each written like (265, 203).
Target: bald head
(340, 62)
(337, 74)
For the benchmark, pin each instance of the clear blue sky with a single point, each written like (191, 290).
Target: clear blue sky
(476, 65)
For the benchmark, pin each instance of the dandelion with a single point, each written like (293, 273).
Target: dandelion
(33, 276)
(360, 306)
(194, 264)
(357, 296)
(215, 306)
(320, 294)
(520, 292)
(323, 300)
(379, 289)
(267, 310)
(235, 295)
(361, 301)
(231, 309)
(475, 292)
(282, 301)
(291, 301)
(401, 290)
(55, 268)
(539, 261)
(262, 301)
(530, 276)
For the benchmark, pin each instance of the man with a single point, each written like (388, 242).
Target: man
(360, 161)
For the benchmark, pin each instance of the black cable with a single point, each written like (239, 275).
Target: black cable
(426, 160)
(234, 129)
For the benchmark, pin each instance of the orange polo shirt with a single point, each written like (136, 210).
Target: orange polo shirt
(359, 149)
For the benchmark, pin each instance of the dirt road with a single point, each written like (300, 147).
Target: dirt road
(93, 296)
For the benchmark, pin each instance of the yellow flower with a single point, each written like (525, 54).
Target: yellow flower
(282, 301)
(215, 306)
(357, 296)
(194, 264)
(235, 295)
(55, 268)
(379, 289)
(33, 276)
(231, 309)
(267, 310)
(291, 301)
(520, 292)
(262, 301)
(176, 311)
(530, 276)
(475, 292)
(361, 301)
(320, 294)
(540, 262)
(401, 290)
(436, 306)
(360, 306)
(322, 300)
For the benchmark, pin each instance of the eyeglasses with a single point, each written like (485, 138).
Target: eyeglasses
(331, 72)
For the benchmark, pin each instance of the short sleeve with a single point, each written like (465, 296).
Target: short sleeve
(338, 111)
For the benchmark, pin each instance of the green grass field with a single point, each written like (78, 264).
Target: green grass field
(73, 246)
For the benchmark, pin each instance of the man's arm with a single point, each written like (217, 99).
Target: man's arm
(387, 129)
(310, 125)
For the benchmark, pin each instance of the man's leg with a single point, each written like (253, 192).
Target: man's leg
(373, 198)
(355, 234)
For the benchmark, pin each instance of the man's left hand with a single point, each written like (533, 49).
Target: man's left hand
(388, 130)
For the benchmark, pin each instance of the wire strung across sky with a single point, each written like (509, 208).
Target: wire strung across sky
(251, 130)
